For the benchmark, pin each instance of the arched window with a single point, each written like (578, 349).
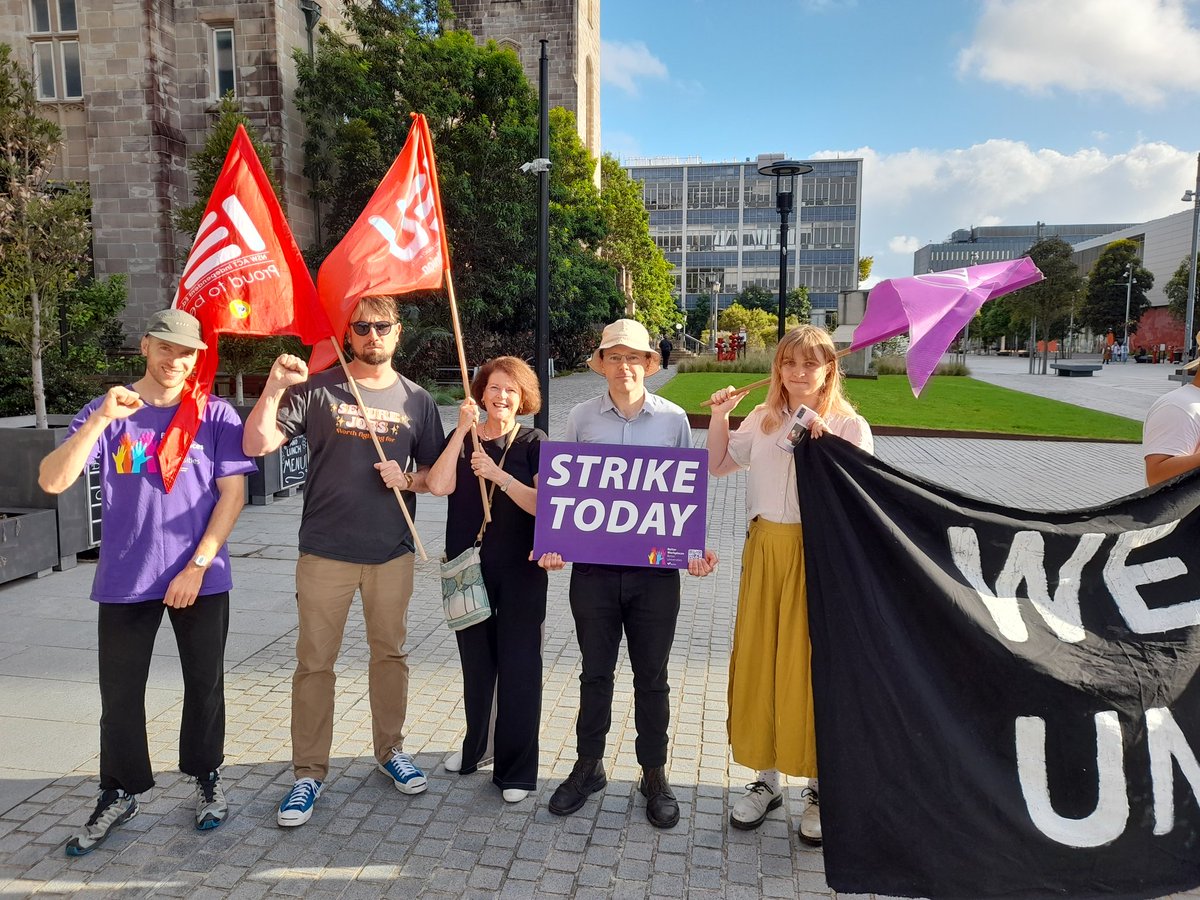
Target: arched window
(507, 44)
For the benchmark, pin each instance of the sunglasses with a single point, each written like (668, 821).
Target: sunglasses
(362, 329)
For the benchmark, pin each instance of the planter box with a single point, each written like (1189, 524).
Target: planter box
(28, 543)
(281, 473)
(22, 448)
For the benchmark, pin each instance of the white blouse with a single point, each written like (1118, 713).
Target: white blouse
(771, 482)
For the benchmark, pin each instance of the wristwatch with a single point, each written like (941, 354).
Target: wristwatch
(201, 561)
(504, 488)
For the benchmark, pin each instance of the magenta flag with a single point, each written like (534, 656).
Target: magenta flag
(934, 308)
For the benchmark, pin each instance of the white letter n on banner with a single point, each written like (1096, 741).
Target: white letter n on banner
(1026, 563)
(1107, 821)
(1168, 745)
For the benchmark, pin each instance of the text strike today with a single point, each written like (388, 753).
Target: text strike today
(662, 476)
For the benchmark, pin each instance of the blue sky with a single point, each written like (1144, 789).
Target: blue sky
(966, 113)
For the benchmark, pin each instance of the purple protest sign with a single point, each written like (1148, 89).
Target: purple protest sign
(621, 505)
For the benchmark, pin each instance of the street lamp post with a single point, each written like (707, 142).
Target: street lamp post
(714, 292)
(1128, 292)
(1194, 198)
(791, 170)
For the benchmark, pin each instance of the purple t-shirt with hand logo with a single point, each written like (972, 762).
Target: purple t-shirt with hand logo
(150, 535)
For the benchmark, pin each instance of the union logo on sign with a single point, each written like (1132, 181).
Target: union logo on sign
(215, 245)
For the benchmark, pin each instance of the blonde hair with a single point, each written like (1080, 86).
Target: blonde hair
(805, 342)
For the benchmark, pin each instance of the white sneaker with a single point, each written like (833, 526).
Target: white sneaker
(752, 807)
(810, 819)
(514, 795)
(453, 762)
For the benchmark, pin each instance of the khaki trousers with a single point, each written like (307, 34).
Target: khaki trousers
(324, 591)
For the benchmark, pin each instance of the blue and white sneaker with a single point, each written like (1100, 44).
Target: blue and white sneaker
(404, 774)
(297, 806)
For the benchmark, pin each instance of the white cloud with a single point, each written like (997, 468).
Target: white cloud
(624, 63)
(926, 194)
(1140, 50)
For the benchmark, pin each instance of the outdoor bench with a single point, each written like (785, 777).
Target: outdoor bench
(1072, 369)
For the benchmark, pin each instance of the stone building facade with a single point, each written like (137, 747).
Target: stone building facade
(134, 86)
(572, 30)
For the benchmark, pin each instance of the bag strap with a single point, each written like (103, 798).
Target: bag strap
(492, 487)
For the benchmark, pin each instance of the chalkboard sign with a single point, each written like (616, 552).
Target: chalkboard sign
(293, 463)
(94, 504)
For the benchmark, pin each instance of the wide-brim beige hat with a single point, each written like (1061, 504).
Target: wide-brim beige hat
(626, 333)
(1188, 367)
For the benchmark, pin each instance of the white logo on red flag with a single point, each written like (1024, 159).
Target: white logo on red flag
(198, 264)
(418, 222)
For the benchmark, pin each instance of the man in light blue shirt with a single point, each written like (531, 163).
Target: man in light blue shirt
(608, 600)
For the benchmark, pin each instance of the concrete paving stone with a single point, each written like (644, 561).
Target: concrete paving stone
(559, 883)
(450, 881)
(516, 890)
(663, 885)
(633, 869)
(671, 864)
(485, 879)
(571, 843)
(812, 881)
(525, 870)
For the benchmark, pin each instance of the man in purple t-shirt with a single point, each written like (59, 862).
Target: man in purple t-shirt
(161, 551)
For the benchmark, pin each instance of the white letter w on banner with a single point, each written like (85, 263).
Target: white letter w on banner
(1026, 563)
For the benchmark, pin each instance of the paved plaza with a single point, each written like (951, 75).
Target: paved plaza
(459, 838)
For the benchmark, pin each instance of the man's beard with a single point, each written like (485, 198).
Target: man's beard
(374, 357)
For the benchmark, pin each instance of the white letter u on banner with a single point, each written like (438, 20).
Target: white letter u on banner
(1108, 821)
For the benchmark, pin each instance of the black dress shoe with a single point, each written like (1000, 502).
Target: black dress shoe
(585, 779)
(661, 808)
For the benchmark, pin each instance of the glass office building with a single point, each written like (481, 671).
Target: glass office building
(717, 224)
(995, 243)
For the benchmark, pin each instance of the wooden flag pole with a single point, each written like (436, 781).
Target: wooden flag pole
(362, 409)
(743, 391)
(462, 365)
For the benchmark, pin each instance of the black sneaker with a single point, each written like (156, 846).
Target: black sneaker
(211, 806)
(585, 779)
(114, 808)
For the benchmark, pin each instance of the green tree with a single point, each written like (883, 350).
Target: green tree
(759, 324)
(865, 264)
(1050, 301)
(239, 355)
(45, 235)
(1176, 291)
(1104, 307)
(699, 317)
(994, 321)
(755, 296)
(356, 97)
(799, 307)
(628, 245)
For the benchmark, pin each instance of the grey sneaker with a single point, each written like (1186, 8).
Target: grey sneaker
(113, 809)
(751, 809)
(211, 807)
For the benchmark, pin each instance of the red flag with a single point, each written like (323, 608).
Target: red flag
(244, 275)
(397, 245)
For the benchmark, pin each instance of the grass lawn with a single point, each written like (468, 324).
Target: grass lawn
(951, 403)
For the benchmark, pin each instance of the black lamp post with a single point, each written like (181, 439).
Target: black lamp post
(784, 169)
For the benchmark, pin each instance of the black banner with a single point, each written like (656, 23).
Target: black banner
(1005, 701)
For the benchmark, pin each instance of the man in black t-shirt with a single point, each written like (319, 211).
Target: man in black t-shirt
(353, 537)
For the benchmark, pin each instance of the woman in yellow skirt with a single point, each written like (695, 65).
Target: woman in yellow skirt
(770, 686)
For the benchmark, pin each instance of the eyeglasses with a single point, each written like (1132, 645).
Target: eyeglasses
(620, 359)
(362, 329)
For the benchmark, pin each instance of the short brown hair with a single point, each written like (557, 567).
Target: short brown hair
(382, 305)
(516, 369)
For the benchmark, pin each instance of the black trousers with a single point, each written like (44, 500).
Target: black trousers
(644, 603)
(502, 660)
(126, 633)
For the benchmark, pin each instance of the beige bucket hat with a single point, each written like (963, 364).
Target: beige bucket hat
(627, 333)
